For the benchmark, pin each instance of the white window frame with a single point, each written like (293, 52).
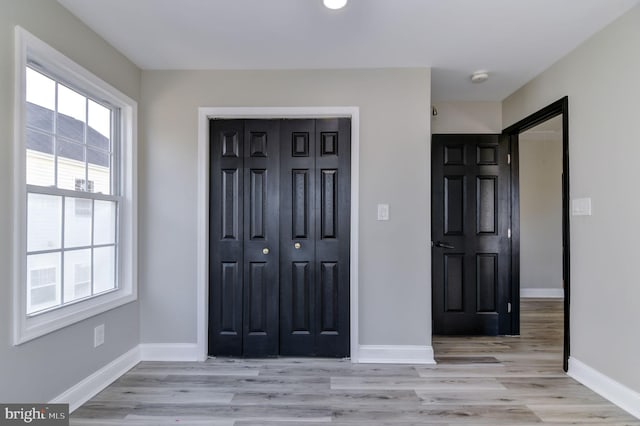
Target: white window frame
(25, 327)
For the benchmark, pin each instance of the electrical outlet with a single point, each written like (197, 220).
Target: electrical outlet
(98, 335)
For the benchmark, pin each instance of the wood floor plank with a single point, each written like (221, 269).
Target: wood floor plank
(347, 423)
(397, 398)
(192, 368)
(490, 370)
(205, 411)
(583, 413)
(227, 383)
(339, 369)
(176, 395)
(508, 397)
(151, 421)
(460, 414)
(395, 383)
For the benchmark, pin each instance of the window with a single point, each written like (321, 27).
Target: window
(69, 137)
(83, 185)
(75, 214)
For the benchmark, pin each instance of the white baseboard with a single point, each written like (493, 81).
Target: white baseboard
(619, 394)
(170, 352)
(395, 354)
(545, 293)
(95, 383)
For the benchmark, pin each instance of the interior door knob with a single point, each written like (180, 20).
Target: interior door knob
(265, 251)
(297, 246)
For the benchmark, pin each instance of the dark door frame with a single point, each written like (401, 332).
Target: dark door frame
(558, 108)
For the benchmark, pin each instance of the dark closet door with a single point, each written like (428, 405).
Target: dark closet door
(315, 237)
(226, 236)
(470, 232)
(244, 238)
(298, 310)
(279, 240)
(333, 218)
(262, 237)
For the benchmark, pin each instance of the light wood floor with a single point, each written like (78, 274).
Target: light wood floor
(477, 381)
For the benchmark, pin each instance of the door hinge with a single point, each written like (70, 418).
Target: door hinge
(508, 158)
(509, 233)
(509, 307)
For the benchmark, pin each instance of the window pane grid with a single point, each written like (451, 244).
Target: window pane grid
(79, 282)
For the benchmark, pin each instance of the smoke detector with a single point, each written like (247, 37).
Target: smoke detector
(335, 4)
(480, 76)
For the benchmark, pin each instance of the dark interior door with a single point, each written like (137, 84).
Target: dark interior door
(244, 238)
(279, 237)
(315, 234)
(470, 231)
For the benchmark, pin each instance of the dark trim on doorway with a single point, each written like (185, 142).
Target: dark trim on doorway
(560, 107)
(514, 149)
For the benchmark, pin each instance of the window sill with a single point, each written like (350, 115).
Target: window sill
(32, 327)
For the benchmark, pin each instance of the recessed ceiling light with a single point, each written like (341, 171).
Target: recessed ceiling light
(479, 76)
(334, 4)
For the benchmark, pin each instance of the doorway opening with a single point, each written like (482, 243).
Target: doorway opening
(477, 232)
(551, 122)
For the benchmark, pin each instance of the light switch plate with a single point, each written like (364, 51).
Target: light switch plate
(98, 335)
(383, 211)
(581, 207)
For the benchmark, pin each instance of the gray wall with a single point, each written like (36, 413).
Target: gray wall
(395, 272)
(41, 369)
(467, 117)
(601, 79)
(540, 159)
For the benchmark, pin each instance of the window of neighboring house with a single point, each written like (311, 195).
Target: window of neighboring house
(75, 145)
(43, 287)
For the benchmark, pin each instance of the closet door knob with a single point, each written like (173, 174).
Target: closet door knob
(265, 251)
(297, 246)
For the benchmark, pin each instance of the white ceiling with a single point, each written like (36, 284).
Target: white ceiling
(513, 39)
